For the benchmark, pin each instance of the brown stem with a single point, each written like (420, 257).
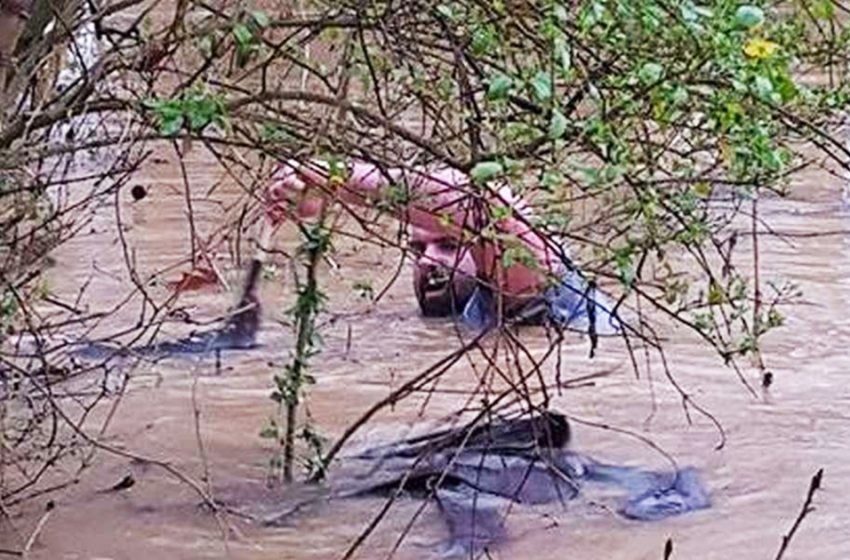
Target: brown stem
(814, 486)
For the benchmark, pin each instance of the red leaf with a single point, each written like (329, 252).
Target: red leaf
(196, 279)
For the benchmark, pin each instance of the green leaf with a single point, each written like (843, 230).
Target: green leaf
(715, 294)
(445, 10)
(260, 18)
(500, 212)
(542, 85)
(205, 45)
(8, 305)
(560, 13)
(520, 132)
(650, 72)
(763, 87)
(563, 54)
(500, 85)
(485, 170)
(774, 318)
(702, 189)
(679, 96)
(785, 86)
(171, 125)
(692, 13)
(269, 432)
(703, 11)
(242, 34)
(518, 254)
(825, 9)
(273, 133)
(484, 41)
(558, 125)
(689, 12)
(749, 17)
(623, 260)
(551, 180)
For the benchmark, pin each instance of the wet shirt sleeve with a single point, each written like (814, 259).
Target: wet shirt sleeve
(568, 305)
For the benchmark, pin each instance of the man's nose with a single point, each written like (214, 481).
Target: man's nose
(425, 263)
(432, 254)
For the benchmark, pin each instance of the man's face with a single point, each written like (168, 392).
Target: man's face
(443, 273)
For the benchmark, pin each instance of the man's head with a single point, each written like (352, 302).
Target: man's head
(443, 273)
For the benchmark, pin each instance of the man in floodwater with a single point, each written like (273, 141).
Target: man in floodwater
(476, 258)
(472, 260)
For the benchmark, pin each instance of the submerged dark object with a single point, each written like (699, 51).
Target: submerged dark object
(138, 192)
(238, 333)
(475, 473)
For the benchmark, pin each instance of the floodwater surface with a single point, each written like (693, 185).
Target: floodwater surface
(775, 441)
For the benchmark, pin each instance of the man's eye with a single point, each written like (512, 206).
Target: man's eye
(449, 245)
(417, 247)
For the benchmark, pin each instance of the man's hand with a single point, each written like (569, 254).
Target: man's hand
(296, 188)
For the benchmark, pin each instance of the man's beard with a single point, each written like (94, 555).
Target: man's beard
(449, 297)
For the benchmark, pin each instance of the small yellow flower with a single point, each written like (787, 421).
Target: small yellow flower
(760, 48)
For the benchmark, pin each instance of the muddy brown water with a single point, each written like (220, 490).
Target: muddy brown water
(775, 442)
